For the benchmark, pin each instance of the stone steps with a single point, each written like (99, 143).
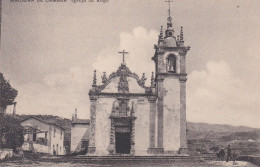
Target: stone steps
(133, 158)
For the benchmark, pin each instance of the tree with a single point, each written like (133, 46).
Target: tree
(7, 94)
(11, 132)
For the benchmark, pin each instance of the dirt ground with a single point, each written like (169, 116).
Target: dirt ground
(28, 163)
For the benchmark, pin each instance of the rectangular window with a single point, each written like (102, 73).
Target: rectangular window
(34, 136)
(84, 144)
(46, 133)
(61, 135)
(50, 129)
(54, 132)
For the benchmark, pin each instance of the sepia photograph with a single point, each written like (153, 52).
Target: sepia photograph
(156, 83)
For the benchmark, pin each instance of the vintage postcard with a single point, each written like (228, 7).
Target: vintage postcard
(129, 83)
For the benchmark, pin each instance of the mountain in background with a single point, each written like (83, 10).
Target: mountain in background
(205, 127)
(191, 127)
(201, 137)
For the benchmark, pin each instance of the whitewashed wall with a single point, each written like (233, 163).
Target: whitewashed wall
(171, 133)
(77, 133)
(142, 123)
(103, 124)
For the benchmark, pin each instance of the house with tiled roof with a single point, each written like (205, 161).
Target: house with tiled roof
(43, 136)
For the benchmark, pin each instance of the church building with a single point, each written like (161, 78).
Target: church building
(127, 117)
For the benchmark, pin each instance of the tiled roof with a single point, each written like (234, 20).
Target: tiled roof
(44, 121)
(81, 121)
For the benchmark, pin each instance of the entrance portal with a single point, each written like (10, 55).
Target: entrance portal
(123, 143)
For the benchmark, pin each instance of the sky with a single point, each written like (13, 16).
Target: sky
(50, 50)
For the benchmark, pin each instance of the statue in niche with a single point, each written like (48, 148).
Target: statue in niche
(171, 63)
(123, 84)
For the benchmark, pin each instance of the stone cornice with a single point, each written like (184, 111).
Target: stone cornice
(152, 99)
(92, 98)
(162, 76)
(120, 95)
(124, 117)
(183, 78)
(181, 49)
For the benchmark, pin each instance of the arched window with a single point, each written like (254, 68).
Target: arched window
(57, 148)
(171, 63)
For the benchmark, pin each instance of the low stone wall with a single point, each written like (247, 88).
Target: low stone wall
(35, 147)
(250, 158)
(5, 153)
(40, 148)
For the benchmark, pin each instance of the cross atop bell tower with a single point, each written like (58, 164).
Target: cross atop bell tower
(169, 19)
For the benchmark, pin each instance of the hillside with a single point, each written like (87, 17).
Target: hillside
(205, 127)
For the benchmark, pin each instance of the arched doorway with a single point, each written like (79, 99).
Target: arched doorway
(122, 128)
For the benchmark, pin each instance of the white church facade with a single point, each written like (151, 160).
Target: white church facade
(127, 117)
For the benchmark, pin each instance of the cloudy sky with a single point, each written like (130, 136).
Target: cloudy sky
(49, 52)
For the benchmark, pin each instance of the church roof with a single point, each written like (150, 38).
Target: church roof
(81, 121)
(170, 42)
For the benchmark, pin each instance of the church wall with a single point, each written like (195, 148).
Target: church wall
(112, 86)
(134, 87)
(103, 124)
(171, 134)
(142, 111)
(161, 64)
(77, 135)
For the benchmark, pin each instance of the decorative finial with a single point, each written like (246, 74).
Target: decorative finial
(143, 79)
(181, 35)
(76, 114)
(123, 52)
(132, 110)
(94, 79)
(160, 36)
(161, 32)
(152, 81)
(104, 78)
(113, 108)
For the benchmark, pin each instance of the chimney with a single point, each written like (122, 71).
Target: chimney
(14, 109)
(76, 115)
(73, 117)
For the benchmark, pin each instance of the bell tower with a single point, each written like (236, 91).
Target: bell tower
(170, 77)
